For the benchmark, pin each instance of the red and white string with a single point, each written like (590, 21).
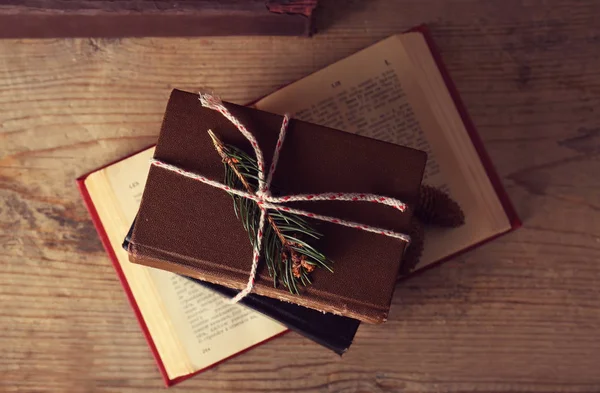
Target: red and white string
(266, 201)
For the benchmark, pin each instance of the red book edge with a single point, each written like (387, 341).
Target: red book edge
(138, 314)
(488, 166)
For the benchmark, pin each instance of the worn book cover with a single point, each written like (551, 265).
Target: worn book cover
(189, 228)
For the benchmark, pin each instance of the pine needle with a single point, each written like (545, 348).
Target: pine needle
(287, 255)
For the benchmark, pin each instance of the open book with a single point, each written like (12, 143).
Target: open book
(396, 90)
(188, 327)
(186, 322)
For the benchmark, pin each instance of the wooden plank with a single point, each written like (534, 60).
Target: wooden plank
(124, 18)
(519, 314)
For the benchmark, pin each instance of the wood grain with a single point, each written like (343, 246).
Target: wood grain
(519, 314)
(156, 18)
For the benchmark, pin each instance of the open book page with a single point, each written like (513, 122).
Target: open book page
(116, 212)
(210, 328)
(192, 326)
(439, 100)
(377, 93)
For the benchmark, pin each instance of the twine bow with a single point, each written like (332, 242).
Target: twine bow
(266, 201)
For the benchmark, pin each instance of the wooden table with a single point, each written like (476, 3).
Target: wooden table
(519, 314)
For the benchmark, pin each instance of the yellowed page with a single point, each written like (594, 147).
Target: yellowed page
(191, 325)
(442, 105)
(377, 93)
(211, 329)
(116, 211)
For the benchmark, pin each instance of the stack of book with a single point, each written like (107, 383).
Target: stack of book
(396, 91)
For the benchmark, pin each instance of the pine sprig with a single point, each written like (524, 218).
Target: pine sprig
(289, 258)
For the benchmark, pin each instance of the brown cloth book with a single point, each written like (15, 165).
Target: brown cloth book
(189, 228)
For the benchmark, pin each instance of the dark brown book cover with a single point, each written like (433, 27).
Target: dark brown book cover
(190, 228)
(144, 18)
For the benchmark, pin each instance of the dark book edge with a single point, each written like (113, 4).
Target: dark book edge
(331, 331)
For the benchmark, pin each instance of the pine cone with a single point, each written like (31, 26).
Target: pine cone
(308, 267)
(296, 264)
(413, 252)
(438, 208)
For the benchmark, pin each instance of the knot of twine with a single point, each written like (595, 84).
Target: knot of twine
(266, 201)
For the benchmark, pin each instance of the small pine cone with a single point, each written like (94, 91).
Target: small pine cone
(296, 264)
(413, 252)
(308, 267)
(296, 270)
(438, 208)
(296, 259)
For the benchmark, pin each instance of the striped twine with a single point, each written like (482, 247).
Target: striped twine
(266, 201)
